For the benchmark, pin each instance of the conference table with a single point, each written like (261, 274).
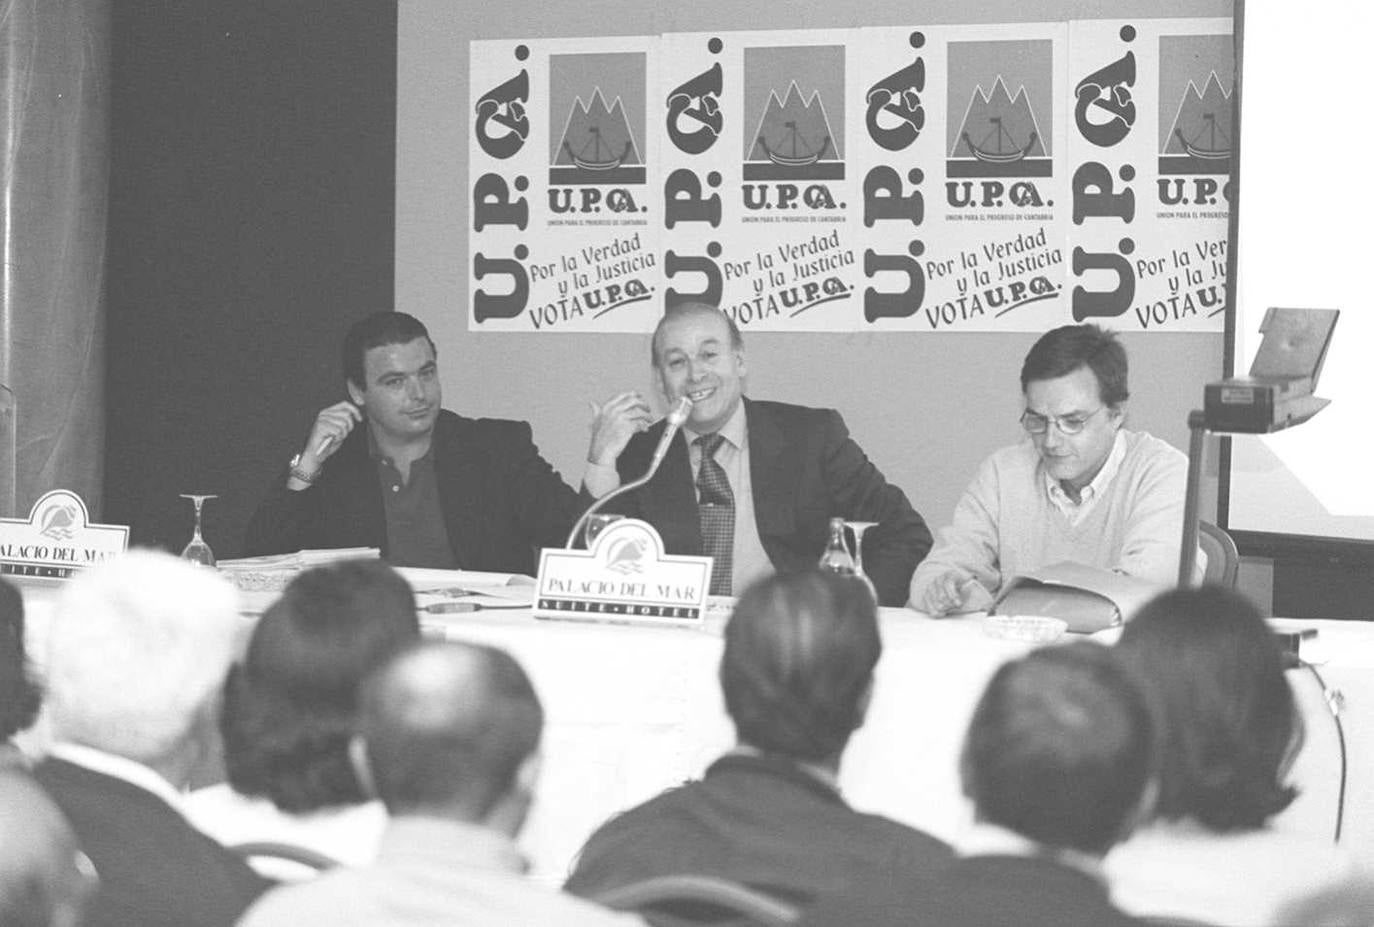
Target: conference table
(633, 710)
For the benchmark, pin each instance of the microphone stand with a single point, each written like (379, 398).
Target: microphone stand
(675, 418)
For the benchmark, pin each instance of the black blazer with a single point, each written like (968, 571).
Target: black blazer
(501, 500)
(805, 468)
(156, 870)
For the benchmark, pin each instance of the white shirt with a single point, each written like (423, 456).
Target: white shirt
(750, 561)
(1088, 495)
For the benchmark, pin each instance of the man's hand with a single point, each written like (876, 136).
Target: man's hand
(952, 591)
(614, 423)
(332, 425)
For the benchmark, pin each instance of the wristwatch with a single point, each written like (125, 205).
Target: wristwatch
(297, 473)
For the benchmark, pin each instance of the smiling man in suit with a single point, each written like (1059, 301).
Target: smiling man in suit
(427, 486)
(751, 483)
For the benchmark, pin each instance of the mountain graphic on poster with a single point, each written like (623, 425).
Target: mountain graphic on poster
(1202, 123)
(794, 132)
(999, 128)
(597, 137)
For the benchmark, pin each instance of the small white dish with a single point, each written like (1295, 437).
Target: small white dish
(1032, 629)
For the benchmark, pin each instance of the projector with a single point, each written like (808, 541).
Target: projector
(1277, 394)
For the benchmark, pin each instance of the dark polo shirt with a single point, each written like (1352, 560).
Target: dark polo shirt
(415, 529)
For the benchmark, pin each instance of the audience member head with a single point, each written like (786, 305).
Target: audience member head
(1226, 724)
(797, 670)
(697, 351)
(377, 331)
(19, 695)
(451, 730)
(138, 650)
(45, 880)
(290, 708)
(1059, 749)
(1061, 351)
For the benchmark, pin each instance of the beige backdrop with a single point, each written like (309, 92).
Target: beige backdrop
(926, 408)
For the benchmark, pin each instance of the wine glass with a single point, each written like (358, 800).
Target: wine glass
(859, 527)
(596, 524)
(198, 551)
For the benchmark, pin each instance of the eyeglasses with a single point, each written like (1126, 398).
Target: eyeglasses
(1038, 424)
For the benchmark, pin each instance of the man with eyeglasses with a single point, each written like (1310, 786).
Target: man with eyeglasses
(1082, 488)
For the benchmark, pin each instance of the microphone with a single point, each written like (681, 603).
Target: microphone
(673, 421)
(676, 416)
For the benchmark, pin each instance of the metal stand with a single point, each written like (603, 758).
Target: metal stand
(1187, 555)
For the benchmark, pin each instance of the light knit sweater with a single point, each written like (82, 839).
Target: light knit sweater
(1006, 523)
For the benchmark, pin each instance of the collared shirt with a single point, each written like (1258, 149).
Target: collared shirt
(750, 559)
(1088, 495)
(984, 839)
(431, 871)
(415, 531)
(119, 767)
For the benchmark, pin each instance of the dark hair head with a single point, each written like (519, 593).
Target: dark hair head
(448, 725)
(375, 331)
(686, 310)
(290, 707)
(798, 662)
(19, 695)
(1059, 748)
(1063, 350)
(1226, 722)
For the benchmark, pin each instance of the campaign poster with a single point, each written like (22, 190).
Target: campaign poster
(964, 193)
(1151, 146)
(760, 195)
(564, 174)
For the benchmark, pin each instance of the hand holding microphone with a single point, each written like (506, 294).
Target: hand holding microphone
(676, 416)
(332, 425)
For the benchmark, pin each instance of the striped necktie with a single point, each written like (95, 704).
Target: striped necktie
(716, 507)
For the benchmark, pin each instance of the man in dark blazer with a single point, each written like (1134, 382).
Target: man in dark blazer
(797, 676)
(139, 650)
(781, 471)
(428, 487)
(1057, 764)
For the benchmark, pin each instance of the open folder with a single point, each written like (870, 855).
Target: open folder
(1088, 598)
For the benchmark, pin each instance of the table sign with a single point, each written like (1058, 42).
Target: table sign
(625, 578)
(57, 538)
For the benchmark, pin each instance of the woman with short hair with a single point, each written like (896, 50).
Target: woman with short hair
(1227, 731)
(289, 714)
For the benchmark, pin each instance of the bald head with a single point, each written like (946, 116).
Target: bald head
(41, 882)
(681, 311)
(447, 727)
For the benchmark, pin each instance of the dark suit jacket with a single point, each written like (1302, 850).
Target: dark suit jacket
(759, 820)
(805, 469)
(978, 891)
(156, 870)
(501, 500)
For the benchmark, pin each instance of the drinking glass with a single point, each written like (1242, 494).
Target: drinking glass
(597, 524)
(198, 551)
(859, 527)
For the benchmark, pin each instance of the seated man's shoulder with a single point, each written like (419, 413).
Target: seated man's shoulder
(917, 848)
(1145, 446)
(487, 431)
(791, 412)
